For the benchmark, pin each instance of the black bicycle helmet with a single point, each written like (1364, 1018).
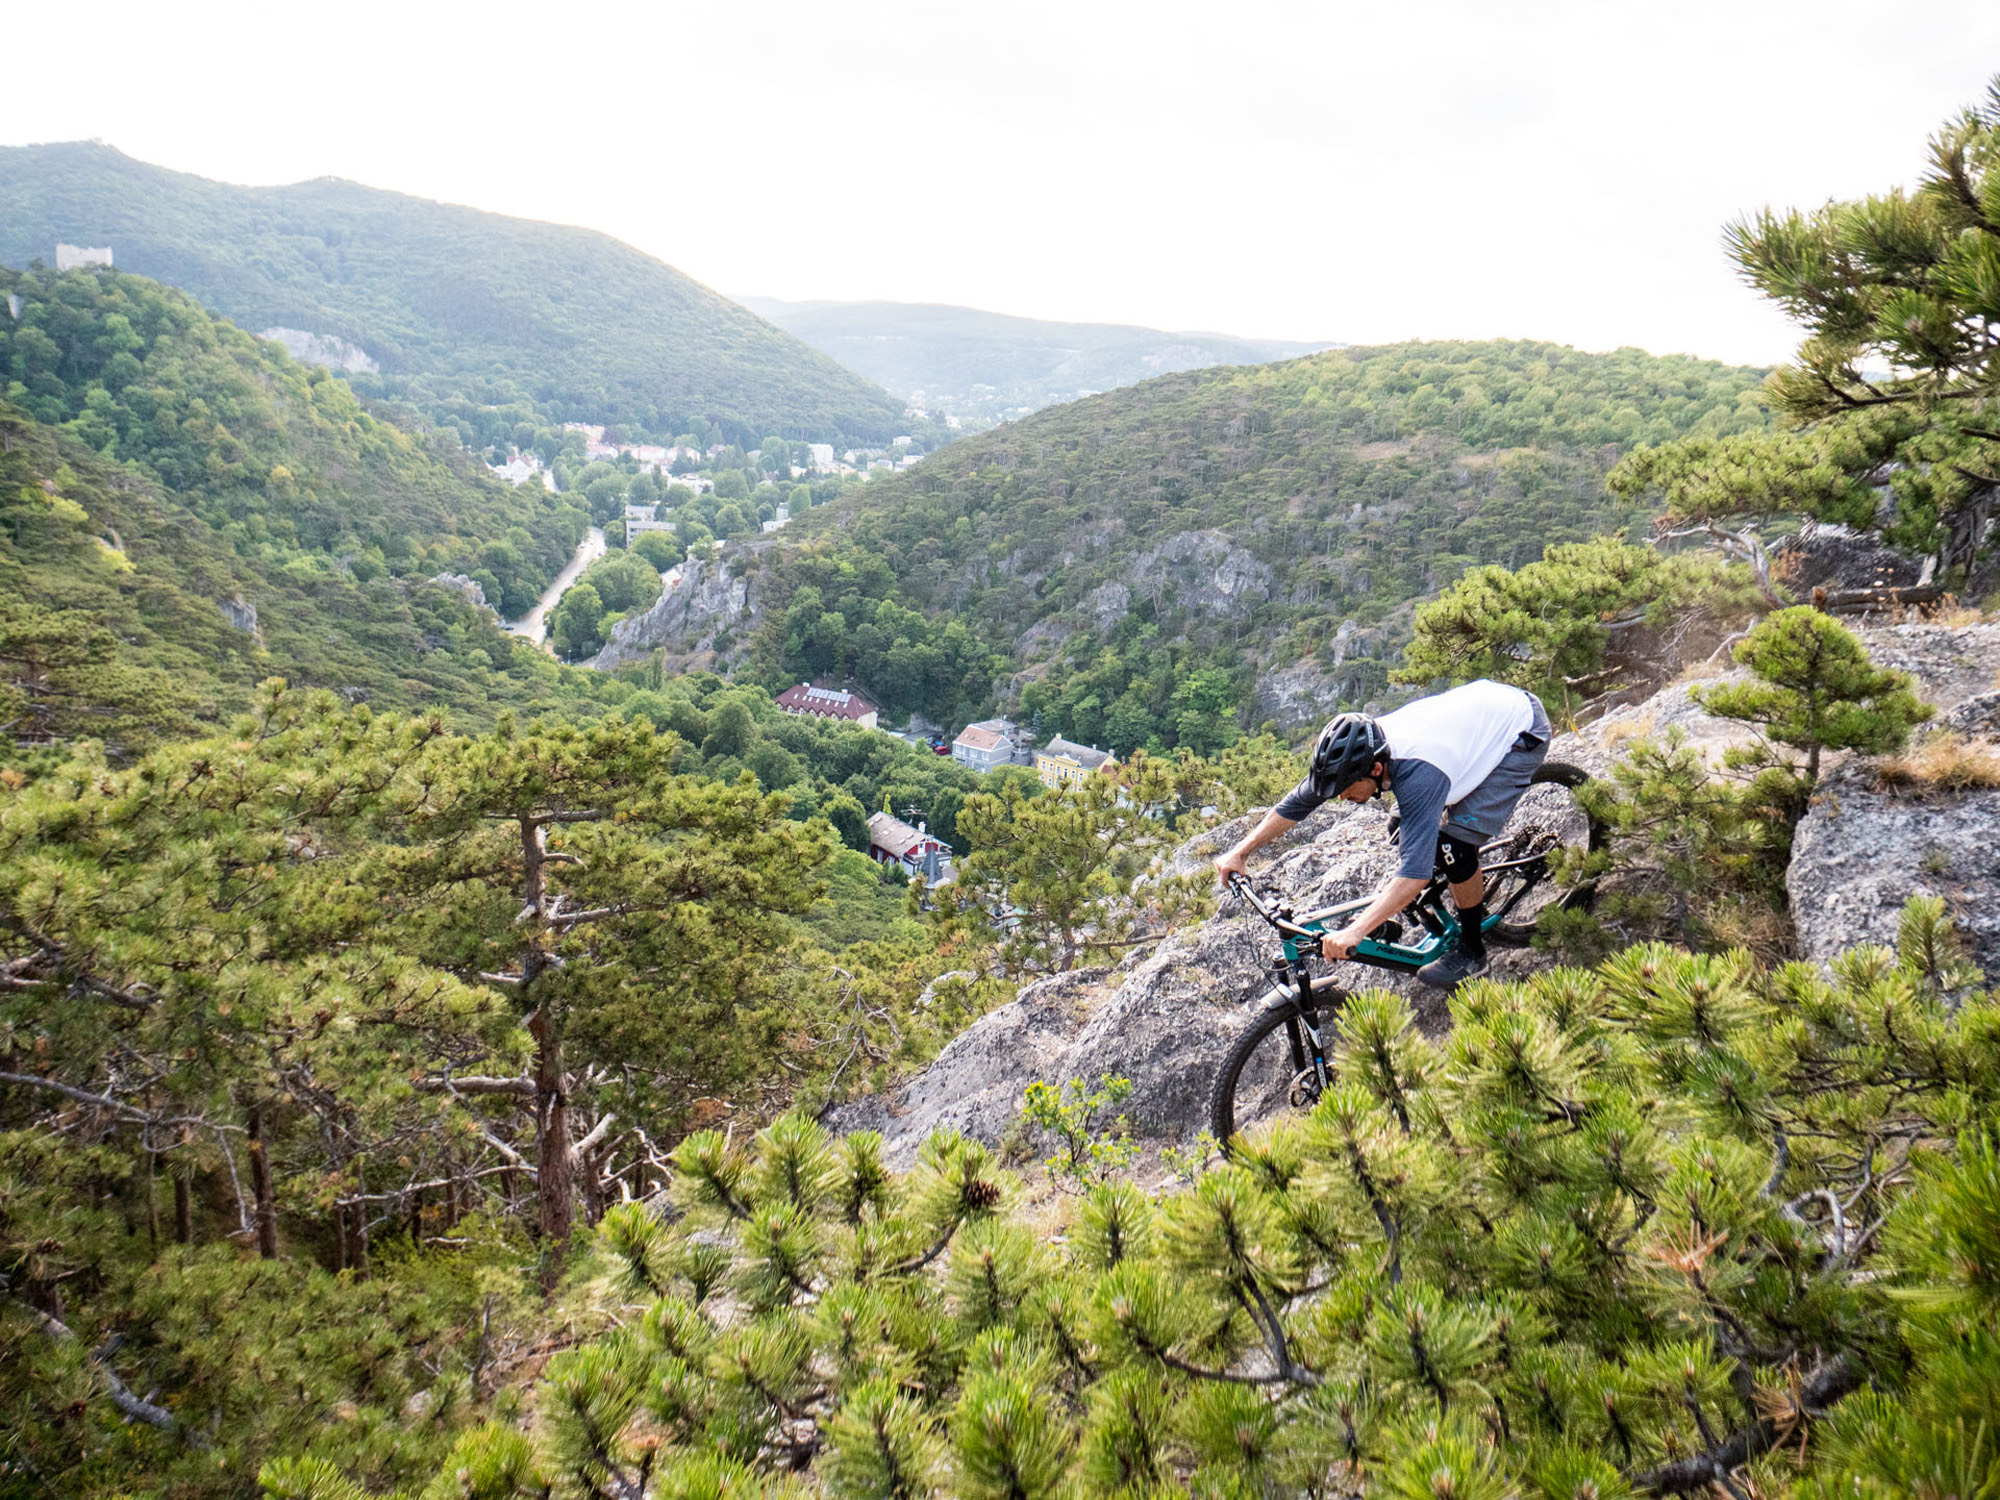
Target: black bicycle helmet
(1348, 749)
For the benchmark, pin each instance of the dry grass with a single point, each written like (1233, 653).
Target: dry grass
(1715, 664)
(1943, 763)
(1619, 731)
(1753, 924)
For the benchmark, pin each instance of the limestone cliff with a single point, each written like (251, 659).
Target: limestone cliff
(687, 621)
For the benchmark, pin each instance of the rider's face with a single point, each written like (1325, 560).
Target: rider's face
(1364, 790)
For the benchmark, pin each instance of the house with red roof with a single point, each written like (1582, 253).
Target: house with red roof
(814, 701)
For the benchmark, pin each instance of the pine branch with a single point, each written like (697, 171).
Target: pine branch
(82, 1096)
(1833, 1381)
(134, 1408)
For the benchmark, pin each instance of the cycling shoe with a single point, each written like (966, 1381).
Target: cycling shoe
(1449, 972)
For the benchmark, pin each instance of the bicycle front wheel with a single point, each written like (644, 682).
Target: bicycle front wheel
(1268, 1073)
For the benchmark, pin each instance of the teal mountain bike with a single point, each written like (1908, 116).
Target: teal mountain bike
(1279, 1062)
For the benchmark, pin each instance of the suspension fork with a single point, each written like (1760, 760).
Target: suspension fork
(1302, 1030)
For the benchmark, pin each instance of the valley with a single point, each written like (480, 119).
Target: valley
(976, 369)
(609, 893)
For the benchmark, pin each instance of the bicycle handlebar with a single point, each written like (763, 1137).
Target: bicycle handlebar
(1241, 885)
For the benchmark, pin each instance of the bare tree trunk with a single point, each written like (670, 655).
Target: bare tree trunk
(152, 1202)
(183, 1210)
(555, 1162)
(593, 1188)
(357, 1228)
(339, 1238)
(260, 1186)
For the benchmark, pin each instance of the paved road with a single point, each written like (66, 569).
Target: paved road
(534, 624)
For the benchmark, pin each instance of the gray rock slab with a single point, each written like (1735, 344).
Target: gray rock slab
(1862, 851)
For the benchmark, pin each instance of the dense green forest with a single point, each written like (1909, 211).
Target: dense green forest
(104, 574)
(983, 367)
(450, 302)
(280, 460)
(1222, 522)
(417, 1090)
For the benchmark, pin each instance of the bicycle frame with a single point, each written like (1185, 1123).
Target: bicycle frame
(1296, 989)
(1437, 921)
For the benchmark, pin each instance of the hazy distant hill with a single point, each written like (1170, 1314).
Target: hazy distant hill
(449, 301)
(985, 367)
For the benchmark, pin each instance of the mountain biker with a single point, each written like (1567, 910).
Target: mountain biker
(1458, 762)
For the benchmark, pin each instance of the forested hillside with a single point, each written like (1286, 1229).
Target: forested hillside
(1145, 555)
(986, 367)
(126, 616)
(226, 514)
(450, 302)
(439, 1104)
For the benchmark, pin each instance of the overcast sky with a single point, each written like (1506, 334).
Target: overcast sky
(1363, 172)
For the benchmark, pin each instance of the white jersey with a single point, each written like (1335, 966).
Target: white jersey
(1465, 733)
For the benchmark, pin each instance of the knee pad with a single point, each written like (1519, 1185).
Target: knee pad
(1458, 859)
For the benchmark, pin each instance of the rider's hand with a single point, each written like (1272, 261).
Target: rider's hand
(1340, 944)
(1232, 863)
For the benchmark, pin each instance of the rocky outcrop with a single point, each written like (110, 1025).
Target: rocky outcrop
(1206, 575)
(241, 614)
(459, 583)
(1305, 693)
(1842, 560)
(1308, 691)
(1952, 665)
(1108, 604)
(1950, 662)
(324, 349)
(1163, 1018)
(1863, 850)
(685, 620)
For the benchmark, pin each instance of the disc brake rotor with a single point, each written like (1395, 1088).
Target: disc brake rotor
(1304, 1090)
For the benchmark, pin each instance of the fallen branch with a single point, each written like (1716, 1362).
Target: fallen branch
(397, 1194)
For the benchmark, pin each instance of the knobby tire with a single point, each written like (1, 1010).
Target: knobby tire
(1222, 1098)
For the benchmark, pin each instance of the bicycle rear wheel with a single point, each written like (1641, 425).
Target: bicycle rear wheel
(1548, 819)
(1267, 1073)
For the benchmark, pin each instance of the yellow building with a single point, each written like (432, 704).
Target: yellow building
(1062, 760)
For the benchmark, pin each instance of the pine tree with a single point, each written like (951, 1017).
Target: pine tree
(1817, 690)
(1571, 625)
(1894, 386)
(1625, 1231)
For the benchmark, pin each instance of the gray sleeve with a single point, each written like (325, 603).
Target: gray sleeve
(1299, 802)
(1422, 792)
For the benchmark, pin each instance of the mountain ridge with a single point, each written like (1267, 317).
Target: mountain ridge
(983, 366)
(453, 301)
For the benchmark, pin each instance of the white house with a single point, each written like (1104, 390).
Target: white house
(989, 743)
(517, 470)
